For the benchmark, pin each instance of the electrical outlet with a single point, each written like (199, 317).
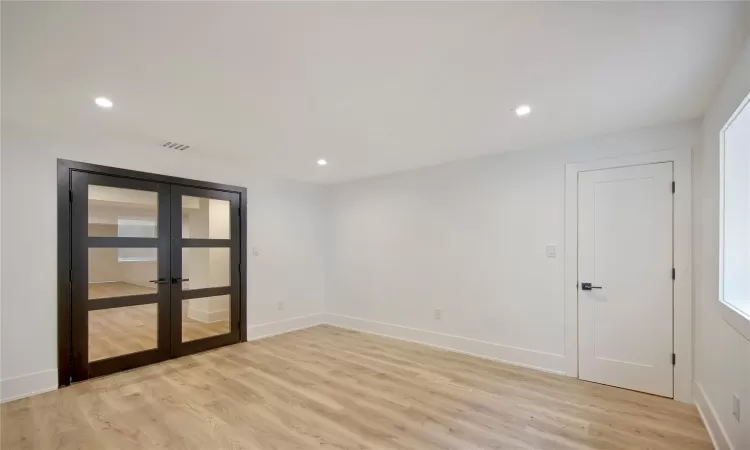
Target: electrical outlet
(281, 306)
(256, 252)
(438, 314)
(736, 407)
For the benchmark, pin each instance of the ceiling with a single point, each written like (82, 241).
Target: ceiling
(372, 87)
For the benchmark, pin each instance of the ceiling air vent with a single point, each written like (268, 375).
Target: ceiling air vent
(175, 145)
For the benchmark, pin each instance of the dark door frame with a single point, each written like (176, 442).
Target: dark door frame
(65, 170)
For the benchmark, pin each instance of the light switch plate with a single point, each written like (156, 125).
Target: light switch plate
(551, 251)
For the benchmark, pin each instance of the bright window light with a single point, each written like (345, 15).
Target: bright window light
(322, 162)
(734, 283)
(142, 228)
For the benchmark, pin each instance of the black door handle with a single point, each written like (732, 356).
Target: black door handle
(159, 281)
(588, 287)
(178, 280)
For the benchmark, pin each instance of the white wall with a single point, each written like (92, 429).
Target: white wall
(722, 355)
(284, 220)
(287, 229)
(469, 238)
(105, 268)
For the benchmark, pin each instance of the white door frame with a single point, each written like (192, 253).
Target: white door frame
(683, 311)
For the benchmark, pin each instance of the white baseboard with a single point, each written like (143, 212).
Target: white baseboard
(710, 419)
(283, 326)
(547, 362)
(207, 316)
(27, 385)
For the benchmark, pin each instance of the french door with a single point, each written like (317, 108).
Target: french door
(155, 271)
(205, 269)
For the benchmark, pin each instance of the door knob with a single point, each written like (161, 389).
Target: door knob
(159, 281)
(178, 280)
(588, 287)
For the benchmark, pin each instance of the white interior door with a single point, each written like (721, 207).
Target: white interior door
(625, 253)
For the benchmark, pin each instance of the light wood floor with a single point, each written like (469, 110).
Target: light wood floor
(120, 331)
(334, 388)
(117, 289)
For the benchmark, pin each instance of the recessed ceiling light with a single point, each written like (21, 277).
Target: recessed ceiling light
(523, 110)
(322, 162)
(103, 102)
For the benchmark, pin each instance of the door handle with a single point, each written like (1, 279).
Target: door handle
(588, 287)
(159, 281)
(179, 280)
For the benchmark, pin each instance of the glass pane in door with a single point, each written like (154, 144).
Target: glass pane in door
(205, 317)
(205, 218)
(119, 212)
(119, 272)
(205, 267)
(121, 331)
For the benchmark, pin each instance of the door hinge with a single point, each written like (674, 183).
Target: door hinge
(674, 274)
(70, 275)
(674, 187)
(70, 196)
(674, 359)
(239, 268)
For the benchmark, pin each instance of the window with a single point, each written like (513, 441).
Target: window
(734, 275)
(143, 228)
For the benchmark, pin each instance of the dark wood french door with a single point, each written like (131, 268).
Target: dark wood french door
(155, 271)
(205, 269)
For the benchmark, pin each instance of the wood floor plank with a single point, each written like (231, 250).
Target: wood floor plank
(326, 387)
